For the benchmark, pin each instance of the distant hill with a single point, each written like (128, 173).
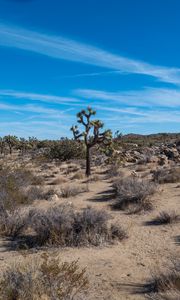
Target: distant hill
(151, 139)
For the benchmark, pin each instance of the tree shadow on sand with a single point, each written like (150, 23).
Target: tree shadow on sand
(177, 240)
(104, 196)
(134, 288)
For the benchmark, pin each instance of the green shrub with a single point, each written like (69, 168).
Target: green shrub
(66, 149)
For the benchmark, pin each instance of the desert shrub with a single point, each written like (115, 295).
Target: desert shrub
(71, 168)
(166, 218)
(63, 226)
(37, 180)
(141, 168)
(133, 194)
(113, 170)
(72, 190)
(165, 285)
(167, 175)
(48, 194)
(118, 232)
(12, 223)
(13, 184)
(79, 175)
(66, 149)
(11, 193)
(43, 278)
(145, 159)
(35, 193)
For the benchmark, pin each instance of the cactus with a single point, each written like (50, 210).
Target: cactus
(91, 134)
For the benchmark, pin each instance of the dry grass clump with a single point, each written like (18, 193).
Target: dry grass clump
(72, 190)
(113, 171)
(79, 175)
(141, 168)
(63, 226)
(71, 168)
(165, 217)
(167, 175)
(134, 194)
(12, 223)
(43, 278)
(14, 185)
(11, 192)
(58, 180)
(165, 285)
(35, 193)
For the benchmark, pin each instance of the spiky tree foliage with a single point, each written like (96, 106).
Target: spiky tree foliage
(33, 141)
(91, 134)
(11, 141)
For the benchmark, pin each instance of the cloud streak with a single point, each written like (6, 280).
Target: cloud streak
(39, 97)
(147, 97)
(63, 48)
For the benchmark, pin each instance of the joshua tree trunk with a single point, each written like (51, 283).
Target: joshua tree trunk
(10, 150)
(88, 162)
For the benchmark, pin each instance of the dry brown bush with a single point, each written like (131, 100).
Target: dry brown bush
(72, 190)
(165, 217)
(63, 226)
(58, 180)
(14, 184)
(165, 285)
(43, 278)
(141, 168)
(79, 175)
(13, 223)
(165, 175)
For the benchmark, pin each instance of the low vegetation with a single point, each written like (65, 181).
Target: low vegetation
(166, 175)
(14, 185)
(63, 226)
(165, 217)
(134, 194)
(165, 285)
(12, 223)
(43, 278)
(68, 191)
(66, 149)
(125, 170)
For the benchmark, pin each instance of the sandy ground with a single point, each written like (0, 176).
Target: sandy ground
(118, 271)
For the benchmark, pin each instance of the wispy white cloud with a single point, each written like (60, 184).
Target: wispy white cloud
(35, 120)
(162, 97)
(124, 110)
(28, 108)
(62, 48)
(39, 97)
(37, 112)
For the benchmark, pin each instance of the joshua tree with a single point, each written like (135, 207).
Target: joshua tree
(11, 141)
(2, 145)
(91, 134)
(23, 145)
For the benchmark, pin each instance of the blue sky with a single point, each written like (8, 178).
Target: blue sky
(119, 56)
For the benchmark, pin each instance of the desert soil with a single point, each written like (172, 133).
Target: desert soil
(118, 271)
